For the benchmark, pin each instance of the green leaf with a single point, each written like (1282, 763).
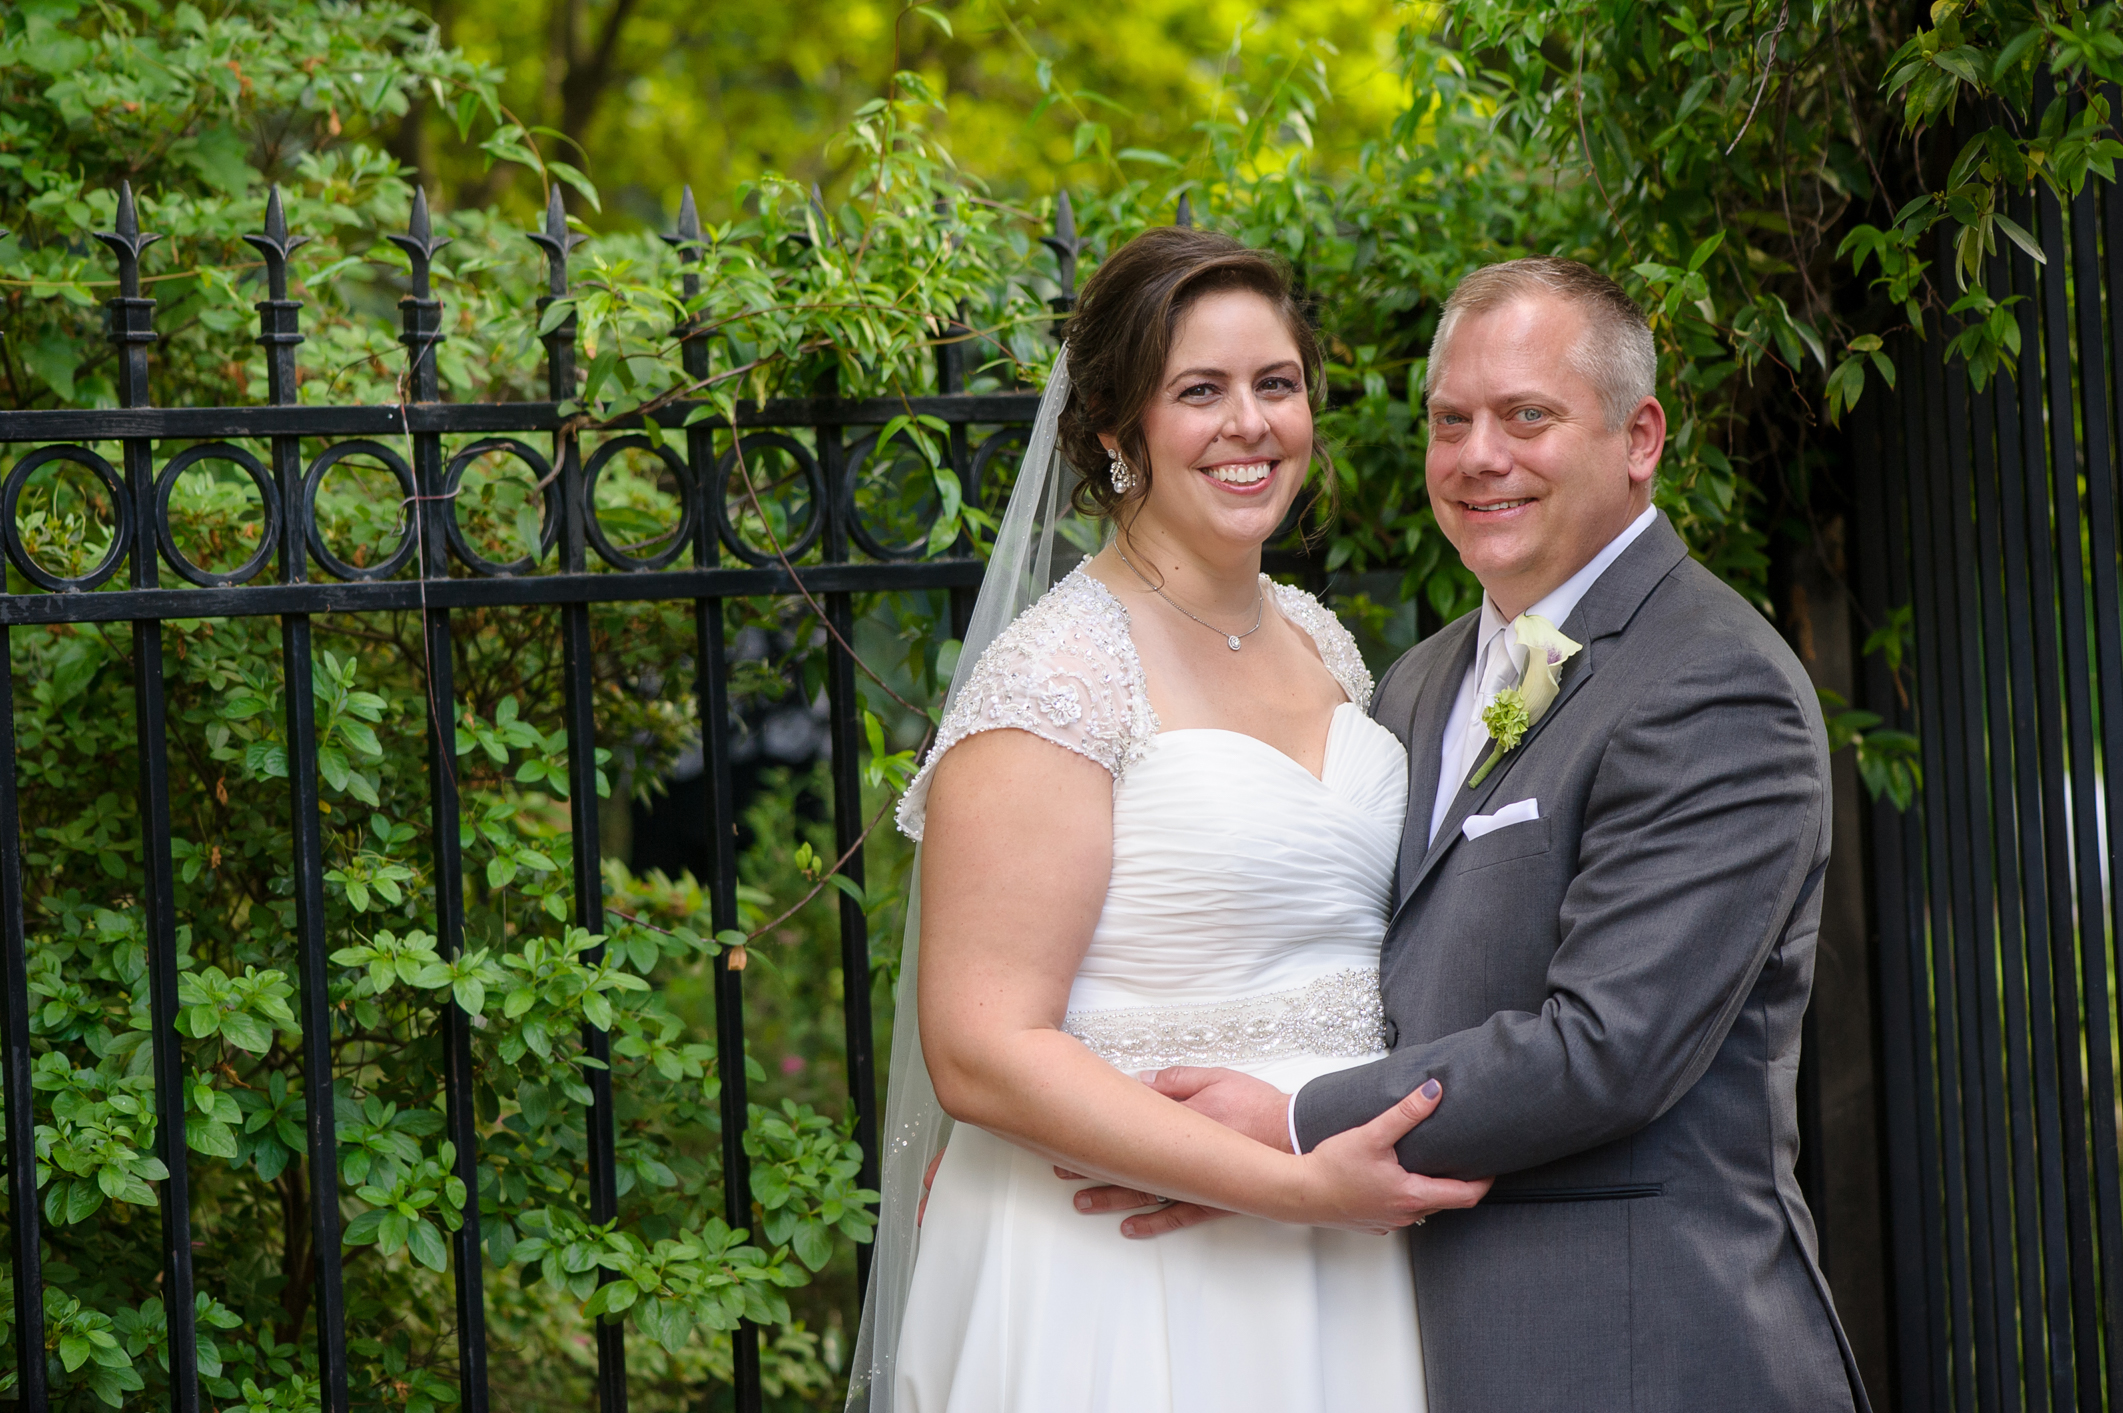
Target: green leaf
(247, 1032)
(2019, 236)
(211, 1137)
(812, 1245)
(426, 1245)
(362, 1230)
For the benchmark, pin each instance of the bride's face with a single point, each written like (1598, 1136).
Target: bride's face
(1229, 426)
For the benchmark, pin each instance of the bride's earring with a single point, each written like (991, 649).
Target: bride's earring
(1123, 476)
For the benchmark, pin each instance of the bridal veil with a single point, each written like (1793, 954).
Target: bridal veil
(1020, 570)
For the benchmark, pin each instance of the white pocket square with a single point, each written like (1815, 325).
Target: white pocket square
(1523, 812)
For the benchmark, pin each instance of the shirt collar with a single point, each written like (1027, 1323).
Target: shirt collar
(1563, 600)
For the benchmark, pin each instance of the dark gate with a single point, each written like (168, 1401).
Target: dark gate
(1988, 517)
(433, 571)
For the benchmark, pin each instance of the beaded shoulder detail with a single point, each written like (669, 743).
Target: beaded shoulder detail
(1066, 671)
(1337, 649)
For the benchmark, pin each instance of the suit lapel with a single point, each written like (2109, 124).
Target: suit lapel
(1603, 612)
(1426, 735)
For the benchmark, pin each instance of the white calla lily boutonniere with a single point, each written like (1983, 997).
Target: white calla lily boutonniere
(1515, 709)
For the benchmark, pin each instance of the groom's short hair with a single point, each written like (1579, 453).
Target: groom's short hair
(1616, 354)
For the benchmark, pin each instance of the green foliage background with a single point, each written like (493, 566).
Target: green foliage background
(1773, 179)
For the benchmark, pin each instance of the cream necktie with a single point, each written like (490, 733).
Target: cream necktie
(1499, 672)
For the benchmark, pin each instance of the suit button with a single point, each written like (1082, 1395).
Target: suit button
(1391, 1034)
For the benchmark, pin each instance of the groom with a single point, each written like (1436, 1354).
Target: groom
(1603, 940)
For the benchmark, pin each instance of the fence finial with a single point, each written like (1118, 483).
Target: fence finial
(556, 240)
(1185, 217)
(275, 245)
(1065, 246)
(687, 237)
(693, 352)
(127, 242)
(279, 318)
(419, 245)
(420, 313)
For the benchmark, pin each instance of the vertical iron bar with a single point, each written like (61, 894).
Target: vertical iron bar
(846, 728)
(2093, 951)
(1975, 938)
(1940, 1189)
(25, 1231)
(580, 689)
(420, 315)
(131, 331)
(279, 330)
(2102, 509)
(2098, 466)
(2018, 1228)
(2038, 347)
(1962, 1244)
(713, 684)
(1875, 542)
(2020, 455)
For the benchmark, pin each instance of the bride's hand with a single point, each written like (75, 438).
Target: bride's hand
(1354, 1180)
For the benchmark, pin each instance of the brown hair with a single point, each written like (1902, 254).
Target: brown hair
(1121, 334)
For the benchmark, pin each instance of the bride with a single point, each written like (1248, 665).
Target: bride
(1158, 829)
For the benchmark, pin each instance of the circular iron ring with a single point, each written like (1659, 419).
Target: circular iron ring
(681, 534)
(719, 502)
(11, 535)
(268, 495)
(541, 476)
(331, 456)
(993, 446)
(859, 452)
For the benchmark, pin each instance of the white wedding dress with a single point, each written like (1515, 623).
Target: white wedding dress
(1241, 928)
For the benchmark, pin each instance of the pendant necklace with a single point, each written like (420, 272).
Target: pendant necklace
(1231, 640)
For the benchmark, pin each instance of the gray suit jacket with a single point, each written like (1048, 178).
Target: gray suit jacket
(1611, 996)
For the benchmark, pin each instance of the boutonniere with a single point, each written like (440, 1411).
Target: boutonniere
(1515, 709)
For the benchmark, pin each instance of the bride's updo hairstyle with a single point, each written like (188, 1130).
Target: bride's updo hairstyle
(1122, 332)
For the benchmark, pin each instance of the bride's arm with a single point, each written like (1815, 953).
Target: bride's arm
(1016, 857)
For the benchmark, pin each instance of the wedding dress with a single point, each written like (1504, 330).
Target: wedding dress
(1241, 928)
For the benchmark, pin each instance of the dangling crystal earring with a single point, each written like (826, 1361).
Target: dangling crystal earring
(1123, 476)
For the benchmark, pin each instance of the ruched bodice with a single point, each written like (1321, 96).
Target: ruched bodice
(1236, 871)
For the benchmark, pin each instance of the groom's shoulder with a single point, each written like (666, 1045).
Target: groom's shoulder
(1698, 618)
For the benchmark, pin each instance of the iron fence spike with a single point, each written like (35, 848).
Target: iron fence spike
(275, 245)
(419, 243)
(556, 240)
(127, 242)
(1185, 217)
(688, 232)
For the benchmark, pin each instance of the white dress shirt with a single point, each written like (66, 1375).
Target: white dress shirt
(1499, 662)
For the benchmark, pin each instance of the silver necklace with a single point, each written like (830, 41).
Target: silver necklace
(1231, 640)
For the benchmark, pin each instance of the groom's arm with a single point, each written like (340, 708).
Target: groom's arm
(1708, 812)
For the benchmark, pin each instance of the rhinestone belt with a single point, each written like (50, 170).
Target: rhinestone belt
(1336, 1014)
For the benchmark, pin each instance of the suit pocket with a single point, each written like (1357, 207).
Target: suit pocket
(1513, 841)
(1616, 1192)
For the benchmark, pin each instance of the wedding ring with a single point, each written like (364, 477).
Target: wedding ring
(1420, 1220)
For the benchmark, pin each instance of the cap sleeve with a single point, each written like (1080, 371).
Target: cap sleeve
(1336, 647)
(1065, 671)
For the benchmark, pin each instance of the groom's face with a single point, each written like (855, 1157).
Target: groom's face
(1525, 476)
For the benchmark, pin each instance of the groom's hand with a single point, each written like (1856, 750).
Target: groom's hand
(1238, 1101)
(1252, 1106)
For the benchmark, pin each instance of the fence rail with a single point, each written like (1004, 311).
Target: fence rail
(434, 570)
(1990, 515)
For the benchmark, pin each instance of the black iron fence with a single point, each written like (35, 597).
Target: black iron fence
(1989, 517)
(433, 570)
